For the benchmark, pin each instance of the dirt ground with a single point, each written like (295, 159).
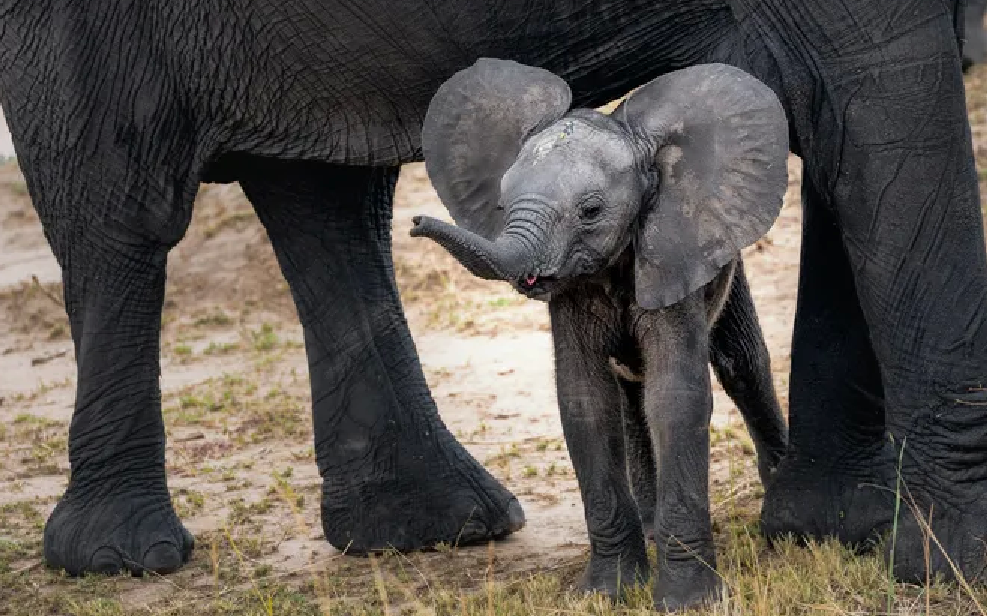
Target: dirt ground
(236, 398)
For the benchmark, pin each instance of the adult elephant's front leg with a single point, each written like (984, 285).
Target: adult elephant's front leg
(394, 476)
(111, 236)
(892, 145)
(835, 479)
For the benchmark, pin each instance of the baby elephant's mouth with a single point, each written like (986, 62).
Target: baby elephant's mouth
(536, 287)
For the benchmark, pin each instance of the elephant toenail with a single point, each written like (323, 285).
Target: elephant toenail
(515, 516)
(162, 557)
(106, 560)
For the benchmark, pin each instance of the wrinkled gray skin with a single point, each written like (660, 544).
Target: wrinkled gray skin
(622, 224)
(975, 45)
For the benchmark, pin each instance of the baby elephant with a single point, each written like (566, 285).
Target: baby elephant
(631, 227)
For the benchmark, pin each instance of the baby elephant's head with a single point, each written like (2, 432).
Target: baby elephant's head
(691, 168)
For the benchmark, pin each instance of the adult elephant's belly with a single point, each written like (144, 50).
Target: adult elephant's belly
(337, 82)
(350, 82)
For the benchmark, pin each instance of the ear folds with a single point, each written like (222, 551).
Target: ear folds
(474, 129)
(718, 139)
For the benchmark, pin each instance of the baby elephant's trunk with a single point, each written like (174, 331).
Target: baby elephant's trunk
(503, 259)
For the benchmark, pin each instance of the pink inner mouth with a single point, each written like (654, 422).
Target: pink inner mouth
(531, 280)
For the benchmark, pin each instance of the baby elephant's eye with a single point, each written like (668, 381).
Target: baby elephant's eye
(590, 210)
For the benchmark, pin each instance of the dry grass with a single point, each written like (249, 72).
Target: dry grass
(231, 577)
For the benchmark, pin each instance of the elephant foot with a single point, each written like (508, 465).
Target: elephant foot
(91, 531)
(808, 502)
(613, 575)
(918, 546)
(434, 494)
(688, 584)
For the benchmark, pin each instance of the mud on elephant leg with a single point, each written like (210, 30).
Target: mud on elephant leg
(116, 514)
(830, 482)
(394, 476)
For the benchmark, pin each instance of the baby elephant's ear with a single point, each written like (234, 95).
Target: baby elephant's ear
(718, 139)
(474, 129)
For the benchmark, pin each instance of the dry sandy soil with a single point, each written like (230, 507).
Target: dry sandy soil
(236, 398)
(6, 145)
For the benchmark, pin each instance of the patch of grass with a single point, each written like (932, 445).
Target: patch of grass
(58, 331)
(504, 456)
(264, 339)
(245, 413)
(42, 389)
(33, 307)
(221, 348)
(506, 302)
(242, 512)
(188, 502)
(41, 457)
(16, 187)
(217, 318)
(544, 444)
(555, 470)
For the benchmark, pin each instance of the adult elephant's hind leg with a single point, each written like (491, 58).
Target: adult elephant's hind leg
(910, 211)
(394, 476)
(111, 236)
(830, 483)
(903, 181)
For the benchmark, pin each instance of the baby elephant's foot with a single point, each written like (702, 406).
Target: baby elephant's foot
(701, 587)
(612, 575)
(686, 579)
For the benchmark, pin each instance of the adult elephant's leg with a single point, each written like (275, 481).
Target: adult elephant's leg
(831, 480)
(394, 476)
(111, 232)
(891, 141)
(910, 211)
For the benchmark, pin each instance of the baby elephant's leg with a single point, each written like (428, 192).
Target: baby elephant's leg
(589, 403)
(678, 403)
(742, 365)
(641, 466)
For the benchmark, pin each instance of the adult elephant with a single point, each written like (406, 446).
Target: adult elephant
(119, 109)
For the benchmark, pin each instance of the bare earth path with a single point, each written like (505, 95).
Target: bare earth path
(236, 401)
